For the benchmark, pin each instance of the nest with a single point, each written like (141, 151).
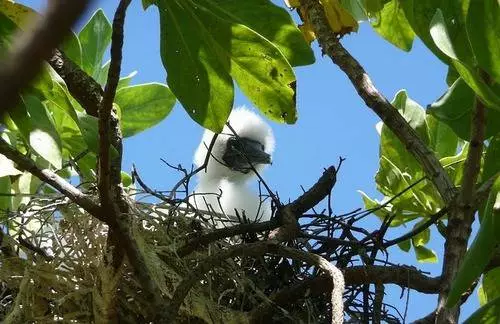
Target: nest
(55, 268)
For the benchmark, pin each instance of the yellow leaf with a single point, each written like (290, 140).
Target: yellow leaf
(340, 20)
(18, 13)
(306, 28)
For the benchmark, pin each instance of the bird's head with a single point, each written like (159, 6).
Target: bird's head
(232, 156)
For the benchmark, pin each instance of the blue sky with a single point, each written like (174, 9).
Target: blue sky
(333, 122)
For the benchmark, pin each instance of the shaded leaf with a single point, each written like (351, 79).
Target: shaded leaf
(483, 29)
(442, 38)
(202, 51)
(455, 108)
(405, 245)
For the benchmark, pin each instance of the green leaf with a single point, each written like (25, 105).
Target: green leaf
(405, 245)
(392, 25)
(480, 251)
(7, 167)
(423, 237)
(72, 48)
(5, 199)
(126, 179)
(25, 185)
(488, 314)
(359, 9)
(492, 158)
(443, 41)
(425, 255)
(95, 38)
(483, 29)
(454, 164)
(491, 285)
(420, 13)
(102, 75)
(90, 130)
(202, 51)
(455, 109)
(35, 124)
(125, 81)
(278, 26)
(143, 106)
(442, 140)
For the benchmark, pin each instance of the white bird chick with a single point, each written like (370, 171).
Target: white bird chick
(229, 168)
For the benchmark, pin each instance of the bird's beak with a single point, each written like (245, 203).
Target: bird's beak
(243, 152)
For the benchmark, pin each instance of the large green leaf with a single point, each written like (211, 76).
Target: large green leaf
(143, 106)
(203, 50)
(391, 24)
(488, 314)
(455, 109)
(420, 13)
(442, 140)
(481, 249)
(454, 164)
(72, 48)
(483, 29)
(278, 27)
(461, 61)
(95, 38)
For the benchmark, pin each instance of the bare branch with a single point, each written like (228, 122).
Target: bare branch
(34, 46)
(377, 102)
(26, 164)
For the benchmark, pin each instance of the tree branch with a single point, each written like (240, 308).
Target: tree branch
(405, 277)
(377, 102)
(306, 201)
(34, 46)
(82, 87)
(26, 164)
(461, 216)
(257, 249)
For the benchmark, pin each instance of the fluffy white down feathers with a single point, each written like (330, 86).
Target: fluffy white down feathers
(223, 189)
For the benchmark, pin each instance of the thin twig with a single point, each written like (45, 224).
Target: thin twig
(26, 164)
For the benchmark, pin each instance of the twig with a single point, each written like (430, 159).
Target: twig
(258, 249)
(422, 227)
(26, 164)
(377, 102)
(353, 276)
(25, 58)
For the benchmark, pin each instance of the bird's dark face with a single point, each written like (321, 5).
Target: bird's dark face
(242, 153)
